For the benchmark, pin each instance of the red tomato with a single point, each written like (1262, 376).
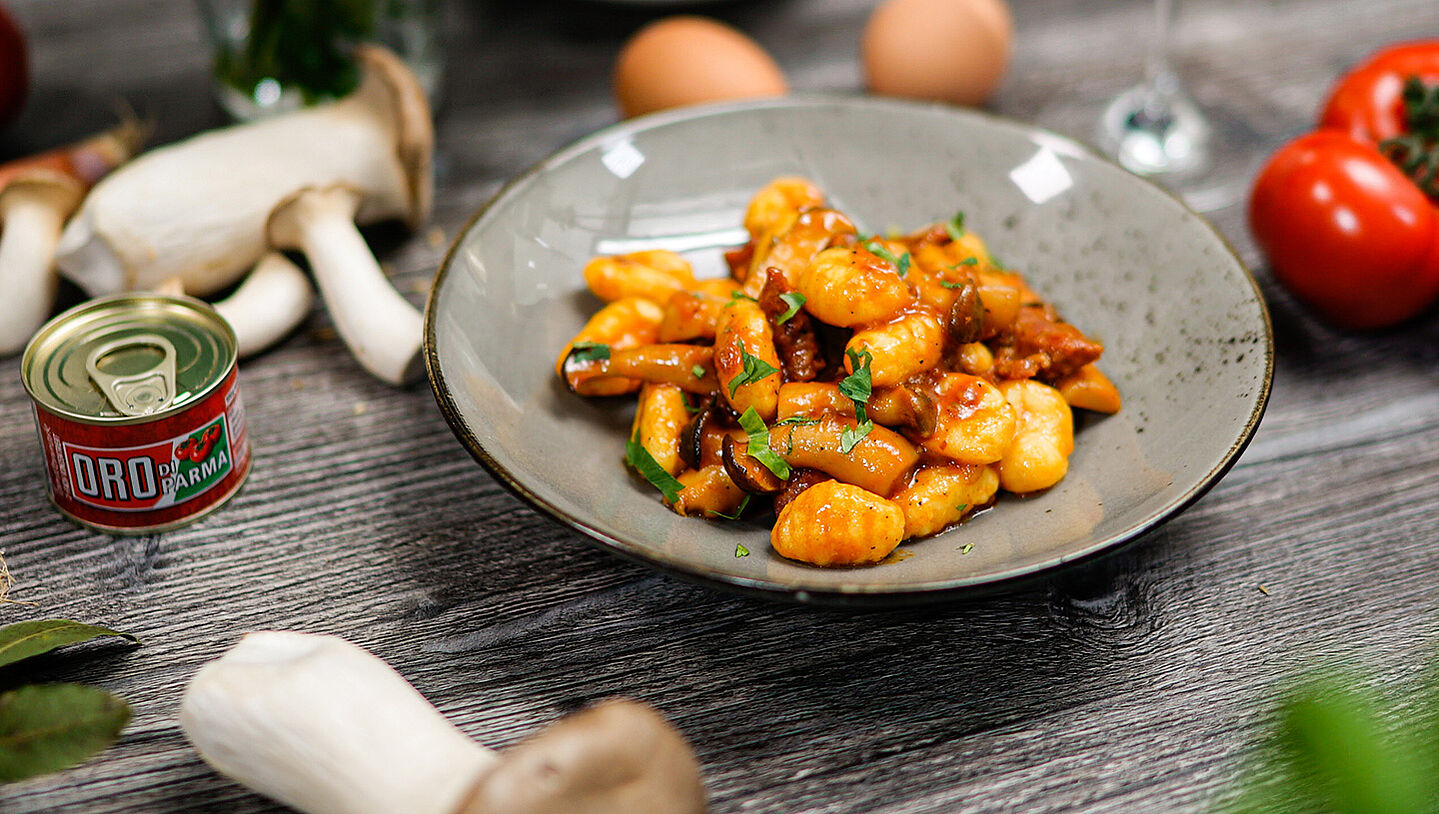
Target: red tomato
(1367, 102)
(1346, 231)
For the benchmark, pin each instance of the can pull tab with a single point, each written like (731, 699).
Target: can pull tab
(140, 393)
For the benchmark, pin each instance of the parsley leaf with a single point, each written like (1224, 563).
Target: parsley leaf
(737, 296)
(640, 458)
(802, 420)
(698, 372)
(754, 369)
(882, 253)
(968, 261)
(858, 385)
(948, 284)
(589, 351)
(904, 263)
(739, 510)
(955, 226)
(850, 436)
(794, 299)
(740, 550)
(968, 547)
(759, 449)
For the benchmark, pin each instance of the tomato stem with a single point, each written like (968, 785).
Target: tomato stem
(1417, 151)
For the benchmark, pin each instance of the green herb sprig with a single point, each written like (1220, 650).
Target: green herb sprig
(758, 433)
(753, 369)
(644, 463)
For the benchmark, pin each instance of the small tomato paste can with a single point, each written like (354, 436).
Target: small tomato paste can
(139, 411)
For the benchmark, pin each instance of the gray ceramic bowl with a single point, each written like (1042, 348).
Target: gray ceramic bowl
(1187, 336)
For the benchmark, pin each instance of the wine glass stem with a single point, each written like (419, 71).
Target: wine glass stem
(1159, 79)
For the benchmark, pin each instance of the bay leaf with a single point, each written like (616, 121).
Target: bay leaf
(24, 640)
(48, 727)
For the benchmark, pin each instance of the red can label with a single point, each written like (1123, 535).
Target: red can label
(151, 475)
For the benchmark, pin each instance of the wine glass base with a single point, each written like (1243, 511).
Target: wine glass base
(1156, 133)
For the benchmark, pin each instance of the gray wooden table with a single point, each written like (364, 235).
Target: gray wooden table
(1136, 683)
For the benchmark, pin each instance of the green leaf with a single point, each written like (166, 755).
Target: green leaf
(858, 386)
(759, 449)
(948, 284)
(795, 300)
(754, 369)
(968, 547)
(904, 263)
(698, 372)
(48, 727)
(799, 420)
(589, 351)
(739, 510)
(24, 640)
(882, 253)
(1331, 734)
(644, 463)
(955, 226)
(740, 550)
(850, 436)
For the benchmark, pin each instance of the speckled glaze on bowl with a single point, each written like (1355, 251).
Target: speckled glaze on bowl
(1187, 336)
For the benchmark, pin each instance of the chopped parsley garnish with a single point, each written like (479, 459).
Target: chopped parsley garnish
(754, 369)
(698, 372)
(740, 550)
(589, 351)
(792, 422)
(759, 449)
(644, 463)
(968, 261)
(794, 300)
(801, 420)
(948, 284)
(968, 547)
(737, 296)
(739, 510)
(857, 386)
(850, 436)
(955, 226)
(904, 263)
(884, 254)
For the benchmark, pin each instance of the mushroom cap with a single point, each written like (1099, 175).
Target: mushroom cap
(387, 75)
(617, 757)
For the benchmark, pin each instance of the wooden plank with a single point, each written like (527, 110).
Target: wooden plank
(1133, 683)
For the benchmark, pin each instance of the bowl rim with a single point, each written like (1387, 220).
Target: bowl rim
(859, 595)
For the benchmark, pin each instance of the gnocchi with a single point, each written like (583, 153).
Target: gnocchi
(867, 389)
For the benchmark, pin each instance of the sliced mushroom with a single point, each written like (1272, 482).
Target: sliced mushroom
(746, 470)
(965, 320)
(904, 407)
(655, 364)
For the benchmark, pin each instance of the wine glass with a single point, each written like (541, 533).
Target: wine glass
(1153, 128)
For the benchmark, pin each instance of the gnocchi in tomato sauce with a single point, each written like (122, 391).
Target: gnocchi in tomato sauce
(865, 389)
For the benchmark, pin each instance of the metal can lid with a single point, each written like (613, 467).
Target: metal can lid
(128, 358)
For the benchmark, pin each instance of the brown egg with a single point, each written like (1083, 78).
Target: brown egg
(686, 60)
(943, 50)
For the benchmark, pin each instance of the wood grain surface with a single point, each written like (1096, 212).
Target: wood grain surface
(1136, 683)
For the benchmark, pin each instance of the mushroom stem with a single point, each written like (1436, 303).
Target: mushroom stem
(33, 217)
(382, 328)
(271, 301)
(327, 728)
